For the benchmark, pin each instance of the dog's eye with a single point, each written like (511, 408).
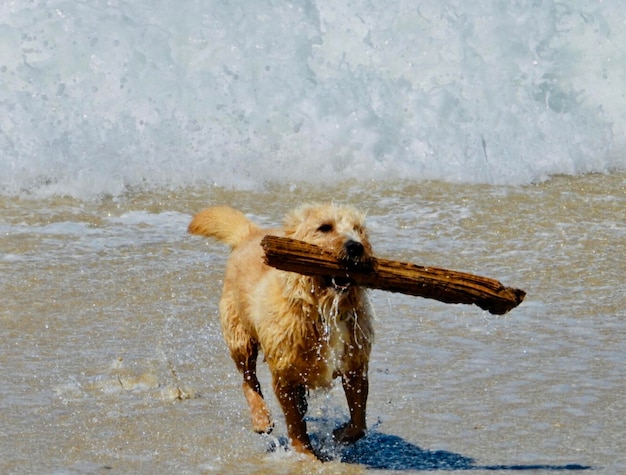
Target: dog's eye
(325, 228)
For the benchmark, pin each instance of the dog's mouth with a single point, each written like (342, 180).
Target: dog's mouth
(338, 284)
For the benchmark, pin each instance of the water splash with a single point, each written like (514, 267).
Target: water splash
(102, 97)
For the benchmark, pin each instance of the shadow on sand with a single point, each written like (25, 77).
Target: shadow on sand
(389, 452)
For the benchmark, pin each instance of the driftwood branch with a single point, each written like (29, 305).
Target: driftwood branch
(440, 284)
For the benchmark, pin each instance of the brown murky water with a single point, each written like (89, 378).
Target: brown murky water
(112, 359)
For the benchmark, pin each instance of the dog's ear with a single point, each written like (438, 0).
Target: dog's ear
(294, 219)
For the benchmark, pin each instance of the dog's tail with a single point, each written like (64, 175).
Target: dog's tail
(223, 223)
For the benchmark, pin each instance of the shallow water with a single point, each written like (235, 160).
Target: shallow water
(113, 361)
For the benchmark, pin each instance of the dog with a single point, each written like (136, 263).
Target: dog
(311, 330)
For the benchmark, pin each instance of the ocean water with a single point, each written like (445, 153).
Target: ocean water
(487, 138)
(99, 97)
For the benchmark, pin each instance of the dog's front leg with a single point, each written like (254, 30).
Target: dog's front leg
(356, 386)
(292, 398)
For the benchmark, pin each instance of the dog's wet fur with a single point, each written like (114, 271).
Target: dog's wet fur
(311, 330)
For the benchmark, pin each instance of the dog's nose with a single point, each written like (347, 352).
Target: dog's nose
(354, 249)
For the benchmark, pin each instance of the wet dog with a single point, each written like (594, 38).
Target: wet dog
(311, 330)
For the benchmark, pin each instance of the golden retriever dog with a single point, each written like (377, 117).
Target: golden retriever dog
(311, 330)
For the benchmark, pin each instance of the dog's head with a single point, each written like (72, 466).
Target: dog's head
(339, 230)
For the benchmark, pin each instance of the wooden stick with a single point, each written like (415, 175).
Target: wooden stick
(445, 285)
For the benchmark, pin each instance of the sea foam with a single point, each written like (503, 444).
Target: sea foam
(100, 97)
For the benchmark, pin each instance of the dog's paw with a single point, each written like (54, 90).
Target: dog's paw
(262, 422)
(348, 434)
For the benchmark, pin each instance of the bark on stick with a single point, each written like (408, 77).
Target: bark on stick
(445, 285)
